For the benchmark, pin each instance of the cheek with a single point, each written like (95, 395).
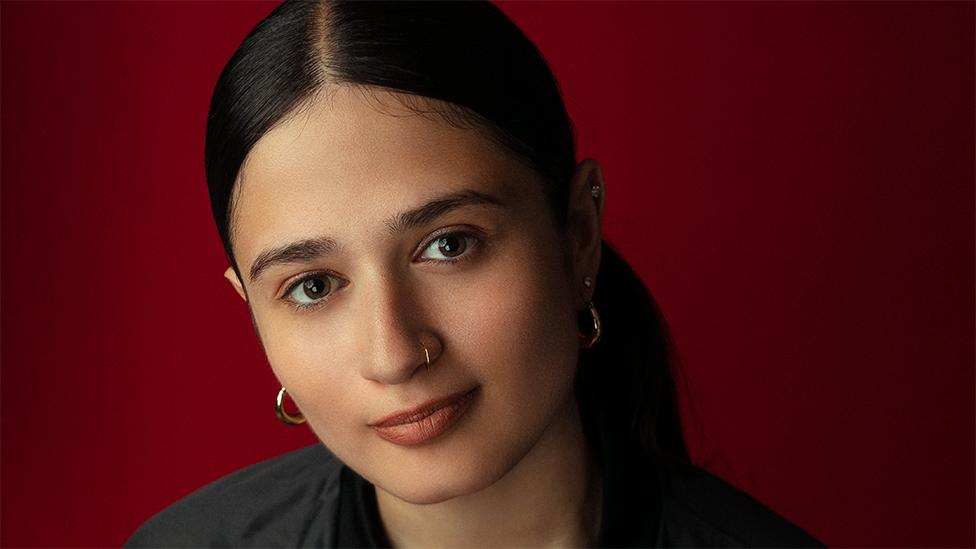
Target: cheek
(316, 362)
(515, 328)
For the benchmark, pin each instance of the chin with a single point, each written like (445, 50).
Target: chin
(423, 483)
(431, 488)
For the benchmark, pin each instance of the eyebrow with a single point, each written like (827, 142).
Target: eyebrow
(313, 248)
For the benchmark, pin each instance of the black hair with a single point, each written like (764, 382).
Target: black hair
(482, 71)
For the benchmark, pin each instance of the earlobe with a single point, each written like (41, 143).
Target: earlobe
(231, 276)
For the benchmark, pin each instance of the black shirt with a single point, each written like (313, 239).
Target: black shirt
(308, 498)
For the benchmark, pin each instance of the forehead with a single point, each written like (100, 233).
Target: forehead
(355, 155)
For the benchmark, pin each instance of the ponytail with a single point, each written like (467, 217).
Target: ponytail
(631, 371)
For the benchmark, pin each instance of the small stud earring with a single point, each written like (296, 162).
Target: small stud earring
(587, 281)
(595, 191)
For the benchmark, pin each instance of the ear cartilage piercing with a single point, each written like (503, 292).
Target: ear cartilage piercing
(587, 281)
(595, 191)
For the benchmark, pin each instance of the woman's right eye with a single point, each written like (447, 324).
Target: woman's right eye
(310, 290)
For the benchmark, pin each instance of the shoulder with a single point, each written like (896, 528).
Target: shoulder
(701, 510)
(287, 500)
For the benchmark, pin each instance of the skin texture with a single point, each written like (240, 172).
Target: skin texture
(502, 319)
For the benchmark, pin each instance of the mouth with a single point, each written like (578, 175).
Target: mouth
(425, 422)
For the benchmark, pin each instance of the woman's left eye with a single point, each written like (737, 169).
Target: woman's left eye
(450, 247)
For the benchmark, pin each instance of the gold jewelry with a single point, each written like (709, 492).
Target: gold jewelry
(590, 340)
(427, 354)
(284, 416)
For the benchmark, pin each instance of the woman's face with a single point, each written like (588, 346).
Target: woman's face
(364, 233)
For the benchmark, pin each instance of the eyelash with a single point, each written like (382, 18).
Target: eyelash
(474, 242)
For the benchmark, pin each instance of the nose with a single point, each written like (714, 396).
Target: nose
(394, 332)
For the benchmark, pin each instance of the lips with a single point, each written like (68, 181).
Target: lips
(425, 422)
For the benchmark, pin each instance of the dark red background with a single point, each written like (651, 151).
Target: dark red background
(793, 181)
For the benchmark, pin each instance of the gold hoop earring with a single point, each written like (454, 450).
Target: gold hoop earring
(590, 340)
(284, 416)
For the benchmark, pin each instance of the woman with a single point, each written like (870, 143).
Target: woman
(398, 196)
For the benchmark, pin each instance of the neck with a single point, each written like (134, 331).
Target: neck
(552, 497)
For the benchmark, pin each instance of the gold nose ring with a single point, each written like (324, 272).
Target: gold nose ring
(427, 355)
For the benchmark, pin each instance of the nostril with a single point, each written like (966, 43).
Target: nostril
(400, 358)
(431, 349)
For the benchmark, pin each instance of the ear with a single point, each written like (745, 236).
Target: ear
(584, 220)
(230, 275)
